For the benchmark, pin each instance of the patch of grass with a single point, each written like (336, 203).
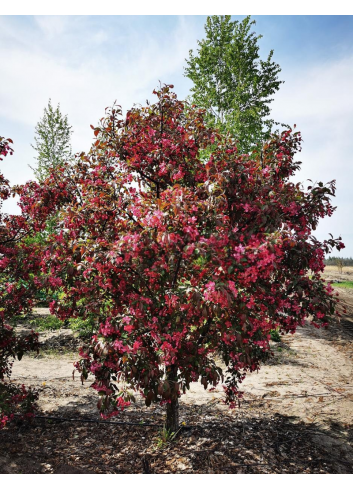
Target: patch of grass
(275, 336)
(47, 323)
(346, 285)
(84, 327)
(17, 319)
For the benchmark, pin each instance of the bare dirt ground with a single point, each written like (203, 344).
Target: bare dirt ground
(333, 273)
(296, 415)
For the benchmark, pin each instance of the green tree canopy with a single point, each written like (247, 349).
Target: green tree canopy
(52, 141)
(231, 81)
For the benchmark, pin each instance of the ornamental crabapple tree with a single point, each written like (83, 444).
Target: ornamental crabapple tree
(16, 296)
(181, 258)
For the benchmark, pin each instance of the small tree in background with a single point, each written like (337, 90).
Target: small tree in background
(340, 264)
(232, 82)
(52, 141)
(180, 259)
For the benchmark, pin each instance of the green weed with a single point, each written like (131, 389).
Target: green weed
(84, 327)
(275, 336)
(164, 437)
(345, 285)
(47, 323)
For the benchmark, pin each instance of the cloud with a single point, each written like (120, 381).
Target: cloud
(318, 100)
(52, 26)
(84, 86)
(85, 64)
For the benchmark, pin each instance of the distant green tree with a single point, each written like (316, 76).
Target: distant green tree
(52, 141)
(231, 81)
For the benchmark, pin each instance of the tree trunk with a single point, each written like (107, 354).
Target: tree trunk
(172, 422)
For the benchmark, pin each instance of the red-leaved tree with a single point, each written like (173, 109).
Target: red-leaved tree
(16, 296)
(180, 257)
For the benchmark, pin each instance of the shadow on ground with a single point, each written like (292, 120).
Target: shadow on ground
(211, 441)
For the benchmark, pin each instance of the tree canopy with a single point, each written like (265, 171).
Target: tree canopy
(232, 82)
(180, 259)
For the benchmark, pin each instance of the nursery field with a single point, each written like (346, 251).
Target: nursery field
(295, 415)
(333, 273)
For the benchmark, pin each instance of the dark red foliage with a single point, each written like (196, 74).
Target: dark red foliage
(183, 258)
(16, 294)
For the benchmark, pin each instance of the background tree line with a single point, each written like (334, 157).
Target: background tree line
(335, 260)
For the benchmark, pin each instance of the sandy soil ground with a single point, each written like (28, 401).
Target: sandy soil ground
(333, 273)
(307, 385)
(310, 377)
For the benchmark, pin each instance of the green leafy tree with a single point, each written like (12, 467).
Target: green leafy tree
(52, 141)
(231, 81)
(52, 144)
